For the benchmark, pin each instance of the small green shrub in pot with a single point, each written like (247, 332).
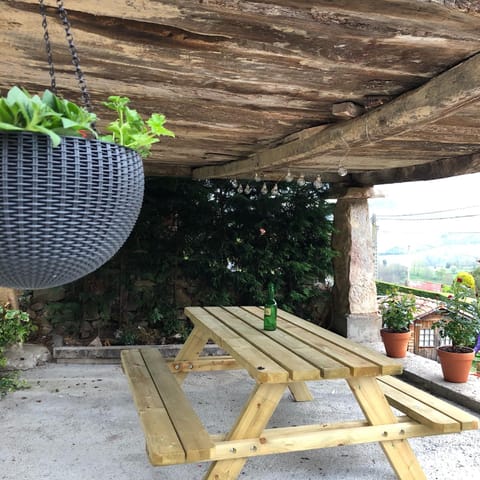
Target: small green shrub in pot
(460, 322)
(397, 311)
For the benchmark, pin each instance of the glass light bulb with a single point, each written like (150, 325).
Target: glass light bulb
(342, 171)
(240, 189)
(301, 181)
(264, 189)
(257, 177)
(318, 182)
(289, 176)
(234, 183)
(274, 190)
(248, 189)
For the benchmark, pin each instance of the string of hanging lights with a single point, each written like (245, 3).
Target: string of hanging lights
(301, 181)
(289, 178)
(274, 190)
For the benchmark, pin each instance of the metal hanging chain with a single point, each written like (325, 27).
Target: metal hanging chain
(73, 50)
(75, 60)
(48, 48)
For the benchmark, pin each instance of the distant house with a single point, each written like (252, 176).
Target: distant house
(425, 341)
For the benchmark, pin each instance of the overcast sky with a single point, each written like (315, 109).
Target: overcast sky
(411, 211)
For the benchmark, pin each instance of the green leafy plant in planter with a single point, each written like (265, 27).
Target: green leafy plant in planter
(15, 327)
(460, 324)
(48, 114)
(56, 117)
(130, 130)
(397, 312)
(460, 321)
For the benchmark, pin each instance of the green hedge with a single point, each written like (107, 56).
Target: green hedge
(202, 242)
(384, 287)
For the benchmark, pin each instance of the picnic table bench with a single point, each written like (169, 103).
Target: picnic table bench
(295, 353)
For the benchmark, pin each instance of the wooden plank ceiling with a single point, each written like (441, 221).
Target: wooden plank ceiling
(252, 86)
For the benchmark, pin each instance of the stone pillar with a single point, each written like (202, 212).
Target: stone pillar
(354, 292)
(9, 295)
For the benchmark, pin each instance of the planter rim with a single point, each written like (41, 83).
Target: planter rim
(39, 134)
(389, 330)
(444, 348)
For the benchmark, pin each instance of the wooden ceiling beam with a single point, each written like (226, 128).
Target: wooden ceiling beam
(443, 168)
(438, 98)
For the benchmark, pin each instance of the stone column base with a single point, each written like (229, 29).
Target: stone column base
(364, 327)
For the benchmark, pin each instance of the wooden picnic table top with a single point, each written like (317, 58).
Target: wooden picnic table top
(296, 351)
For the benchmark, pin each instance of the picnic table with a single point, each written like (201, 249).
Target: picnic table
(296, 353)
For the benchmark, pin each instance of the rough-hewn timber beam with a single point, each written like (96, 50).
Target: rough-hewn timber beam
(445, 167)
(438, 98)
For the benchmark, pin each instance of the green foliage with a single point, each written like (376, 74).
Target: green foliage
(202, 243)
(397, 310)
(15, 327)
(57, 117)
(67, 314)
(130, 130)
(251, 240)
(48, 114)
(461, 319)
(9, 382)
(383, 288)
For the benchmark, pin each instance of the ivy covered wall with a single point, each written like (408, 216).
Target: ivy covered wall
(201, 243)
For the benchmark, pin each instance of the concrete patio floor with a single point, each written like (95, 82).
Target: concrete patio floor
(78, 422)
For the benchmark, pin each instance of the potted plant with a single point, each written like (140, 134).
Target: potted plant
(460, 324)
(69, 197)
(397, 315)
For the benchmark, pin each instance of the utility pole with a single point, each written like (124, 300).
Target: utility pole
(409, 264)
(375, 244)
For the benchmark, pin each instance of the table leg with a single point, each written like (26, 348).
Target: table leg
(191, 349)
(377, 410)
(250, 424)
(300, 392)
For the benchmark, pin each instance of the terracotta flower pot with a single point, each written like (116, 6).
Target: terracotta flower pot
(455, 366)
(395, 343)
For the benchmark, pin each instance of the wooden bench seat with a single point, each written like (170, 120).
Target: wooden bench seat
(419, 405)
(173, 432)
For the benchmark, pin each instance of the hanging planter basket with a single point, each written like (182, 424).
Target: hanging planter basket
(66, 210)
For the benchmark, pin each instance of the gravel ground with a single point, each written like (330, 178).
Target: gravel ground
(78, 422)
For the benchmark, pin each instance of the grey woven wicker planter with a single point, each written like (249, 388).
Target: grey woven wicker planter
(64, 211)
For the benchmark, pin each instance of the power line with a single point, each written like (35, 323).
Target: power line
(401, 217)
(418, 232)
(430, 213)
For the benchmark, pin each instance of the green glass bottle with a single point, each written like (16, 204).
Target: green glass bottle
(270, 311)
